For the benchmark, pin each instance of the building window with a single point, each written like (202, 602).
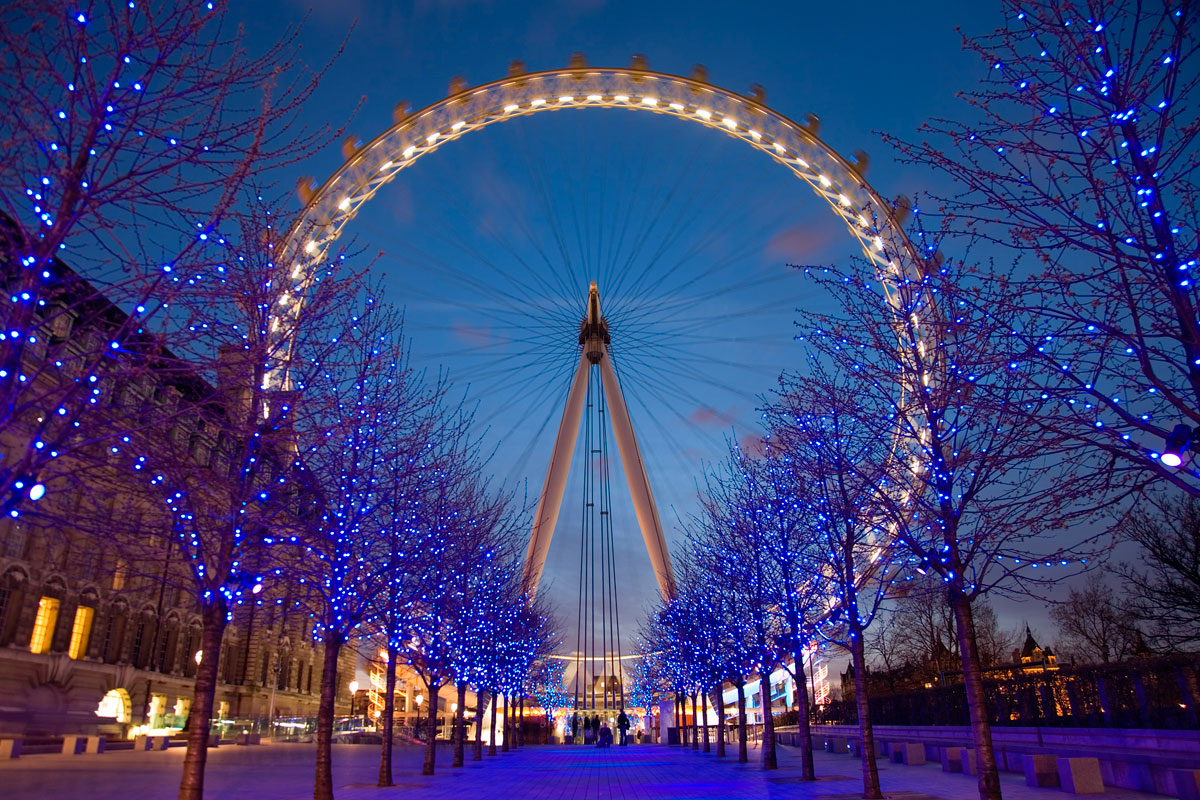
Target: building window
(138, 637)
(81, 630)
(120, 573)
(15, 538)
(43, 625)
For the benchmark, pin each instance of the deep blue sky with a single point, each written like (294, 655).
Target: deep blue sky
(461, 216)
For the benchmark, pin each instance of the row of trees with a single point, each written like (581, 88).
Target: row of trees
(962, 421)
(262, 429)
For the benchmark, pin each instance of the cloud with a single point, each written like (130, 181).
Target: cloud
(802, 243)
(475, 335)
(709, 416)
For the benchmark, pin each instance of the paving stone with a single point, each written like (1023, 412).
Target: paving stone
(285, 772)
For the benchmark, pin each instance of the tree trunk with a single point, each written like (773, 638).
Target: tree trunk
(741, 690)
(460, 732)
(191, 784)
(507, 733)
(804, 719)
(431, 728)
(695, 725)
(720, 720)
(518, 724)
(981, 732)
(704, 705)
(477, 745)
(492, 743)
(769, 757)
(323, 787)
(870, 770)
(389, 723)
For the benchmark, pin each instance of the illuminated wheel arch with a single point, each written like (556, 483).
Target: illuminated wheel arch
(874, 223)
(329, 208)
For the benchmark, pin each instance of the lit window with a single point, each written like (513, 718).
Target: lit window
(80, 632)
(43, 625)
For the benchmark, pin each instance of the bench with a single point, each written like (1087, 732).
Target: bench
(244, 739)
(952, 759)
(910, 753)
(1187, 783)
(78, 745)
(143, 743)
(1040, 769)
(1080, 775)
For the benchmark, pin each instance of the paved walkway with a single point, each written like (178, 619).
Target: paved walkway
(284, 772)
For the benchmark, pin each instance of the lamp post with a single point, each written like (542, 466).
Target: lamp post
(353, 687)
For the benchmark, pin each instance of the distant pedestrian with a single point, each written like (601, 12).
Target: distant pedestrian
(574, 727)
(623, 726)
(606, 737)
(595, 727)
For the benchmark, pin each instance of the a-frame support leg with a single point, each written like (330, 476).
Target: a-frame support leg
(550, 500)
(638, 480)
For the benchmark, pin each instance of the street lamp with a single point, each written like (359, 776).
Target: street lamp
(353, 687)
(1178, 441)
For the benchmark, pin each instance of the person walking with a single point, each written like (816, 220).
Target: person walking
(623, 726)
(595, 727)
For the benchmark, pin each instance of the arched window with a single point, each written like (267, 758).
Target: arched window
(189, 654)
(114, 631)
(12, 598)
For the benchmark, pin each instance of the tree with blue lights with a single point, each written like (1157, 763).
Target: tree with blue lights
(359, 413)
(976, 495)
(781, 515)
(214, 460)
(737, 524)
(546, 685)
(1077, 155)
(132, 130)
(836, 450)
(709, 633)
(439, 455)
(469, 568)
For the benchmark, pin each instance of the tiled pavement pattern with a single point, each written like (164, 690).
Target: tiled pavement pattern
(284, 772)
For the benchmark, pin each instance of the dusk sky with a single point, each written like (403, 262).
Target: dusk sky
(489, 243)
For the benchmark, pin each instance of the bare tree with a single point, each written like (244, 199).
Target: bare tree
(1163, 589)
(1079, 151)
(916, 642)
(1092, 625)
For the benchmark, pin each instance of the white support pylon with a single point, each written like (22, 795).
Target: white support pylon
(550, 500)
(639, 482)
(593, 336)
